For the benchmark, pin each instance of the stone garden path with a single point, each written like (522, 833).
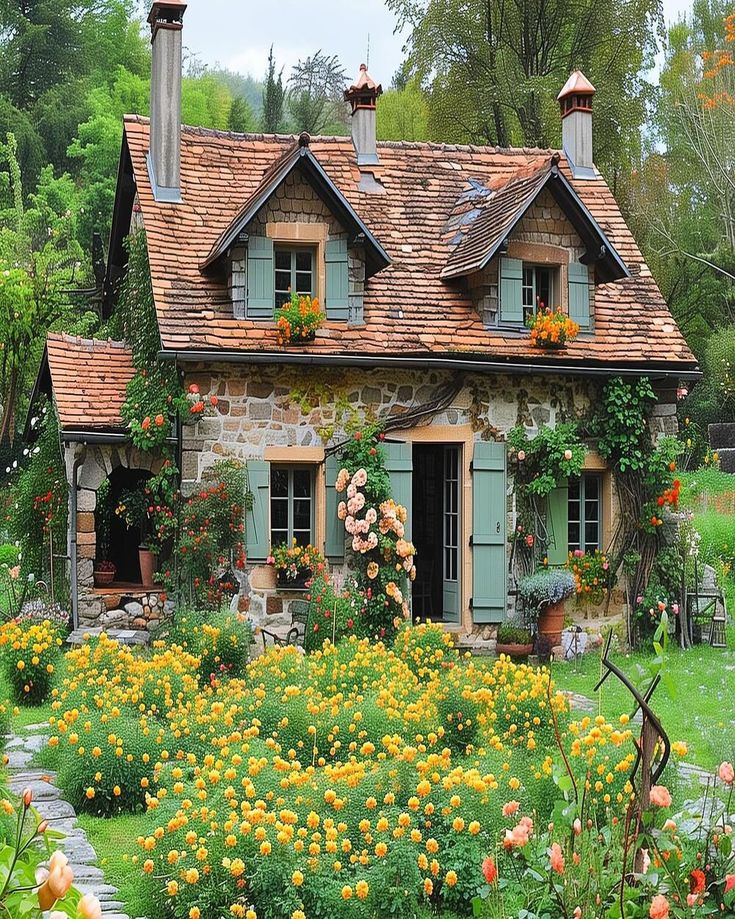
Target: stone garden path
(50, 804)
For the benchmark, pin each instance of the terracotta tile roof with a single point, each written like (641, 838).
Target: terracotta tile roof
(496, 214)
(408, 308)
(89, 378)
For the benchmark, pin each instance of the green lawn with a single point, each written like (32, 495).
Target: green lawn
(115, 842)
(702, 712)
(24, 715)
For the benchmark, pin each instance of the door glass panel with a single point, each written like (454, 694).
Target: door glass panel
(279, 483)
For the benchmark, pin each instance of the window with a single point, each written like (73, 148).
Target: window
(537, 288)
(294, 271)
(292, 505)
(585, 513)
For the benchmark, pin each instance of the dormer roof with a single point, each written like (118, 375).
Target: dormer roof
(299, 156)
(500, 211)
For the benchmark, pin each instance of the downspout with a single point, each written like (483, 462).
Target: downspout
(74, 574)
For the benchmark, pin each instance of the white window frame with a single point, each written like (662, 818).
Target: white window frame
(582, 521)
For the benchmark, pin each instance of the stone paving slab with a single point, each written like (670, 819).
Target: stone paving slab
(48, 801)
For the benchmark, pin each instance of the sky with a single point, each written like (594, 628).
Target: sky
(237, 34)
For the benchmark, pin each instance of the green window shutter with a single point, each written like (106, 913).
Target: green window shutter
(557, 522)
(334, 547)
(261, 279)
(579, 294)
(511, 290)
(489, 515)
(338, 280)
(257, 519)
(399, 465)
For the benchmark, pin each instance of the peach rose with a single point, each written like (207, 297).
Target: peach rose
(510, 808)
(660, 796)
(557, 859)
(727, 773)
(659, 907)
(58, 881)
(89, 907)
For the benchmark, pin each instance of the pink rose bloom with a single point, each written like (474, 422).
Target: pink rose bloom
(729, 882)
(341, 510)
(557, 859)
(270, 560)
(727, 773)
(359, 478)
(659, 907)
(521, 455)
(577, 914)
(567, 455)
(660, 796)
(692, 899)
(510, 808)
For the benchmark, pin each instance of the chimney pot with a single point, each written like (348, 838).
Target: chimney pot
(575, 101)
(363, 98)
(164, 158)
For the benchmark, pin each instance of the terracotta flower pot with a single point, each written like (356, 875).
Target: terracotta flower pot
(551, 622)
(147, 561)
(513, 649)
(104, 577)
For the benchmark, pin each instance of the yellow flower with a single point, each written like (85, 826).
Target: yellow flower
(297, 879)
(361, 889)
(347, 892)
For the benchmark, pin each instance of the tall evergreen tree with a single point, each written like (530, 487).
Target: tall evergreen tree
(274, 97)
(241, 116)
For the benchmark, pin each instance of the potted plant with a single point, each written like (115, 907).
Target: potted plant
(514, 640)
(298, 320)
(543, 595)
(104, 573)
(551, 329)
(295, 564)
(133, 509)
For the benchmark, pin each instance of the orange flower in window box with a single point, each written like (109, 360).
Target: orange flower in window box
(298, 320)
(551, 329)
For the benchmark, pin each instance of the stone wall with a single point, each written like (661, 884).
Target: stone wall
(279, 407)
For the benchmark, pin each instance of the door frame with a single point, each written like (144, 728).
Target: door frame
(463, 436)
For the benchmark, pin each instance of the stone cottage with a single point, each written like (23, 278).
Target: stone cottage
(428, 259)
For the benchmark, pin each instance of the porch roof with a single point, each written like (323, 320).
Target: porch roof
(88, 378)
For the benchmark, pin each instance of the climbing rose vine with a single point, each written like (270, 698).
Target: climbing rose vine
(376, 524)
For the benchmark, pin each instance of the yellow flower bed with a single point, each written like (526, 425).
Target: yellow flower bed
(362, 772)
(29, 652)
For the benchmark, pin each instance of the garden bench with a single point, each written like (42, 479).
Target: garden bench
(292, 634)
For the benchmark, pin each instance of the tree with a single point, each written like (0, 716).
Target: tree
(39, 257)
(241, 116)
(274, 97)
(315, 94)
(494, 69)
(403, 114)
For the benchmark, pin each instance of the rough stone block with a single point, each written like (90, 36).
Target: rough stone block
(727, 460)
(86, 500)
(85, 522)
(721, 436)
(273, 605)
(260, 390)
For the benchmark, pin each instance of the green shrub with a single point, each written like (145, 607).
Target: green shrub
(221, 640)
(9, 555)
(29, 653)
(124, 767)
(333, 617)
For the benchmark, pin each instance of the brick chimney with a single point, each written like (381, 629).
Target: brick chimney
(575, 100)
(164, 158)
(363, 97)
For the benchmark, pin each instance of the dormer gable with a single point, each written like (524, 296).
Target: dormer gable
(298, 232)
(529, 242)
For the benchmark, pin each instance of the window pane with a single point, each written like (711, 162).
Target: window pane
(591, 510)
(573, 535)
(279, 482)
(301, 483)
(543, 286)
(279, 514)
(591, 486)
(283, 259)
(574, 489)
(303, 260)
(303, 283)
(302, 537)
(302, 514)
(279, 538)
(591, 537)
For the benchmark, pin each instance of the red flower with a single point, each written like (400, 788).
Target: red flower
(193, 388)
(213, 401)
(489, 870)
(697, 881)
(159, 420)
(146, 423)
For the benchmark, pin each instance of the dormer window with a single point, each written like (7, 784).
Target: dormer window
(294, 271)
(523, 286)
(538, 288)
